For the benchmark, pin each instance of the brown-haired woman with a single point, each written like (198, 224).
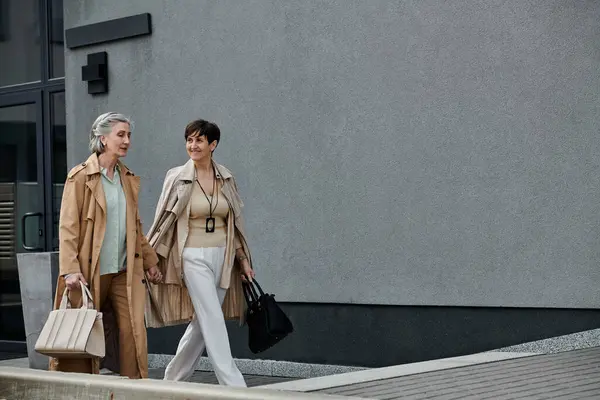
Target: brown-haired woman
(199, 236)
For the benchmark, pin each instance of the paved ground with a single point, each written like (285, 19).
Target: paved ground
(566, 376)
(158, 373)
(209, 377)
(15, 362)
(11, 356)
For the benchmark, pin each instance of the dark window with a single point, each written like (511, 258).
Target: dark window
(20, 42)
(57, 44)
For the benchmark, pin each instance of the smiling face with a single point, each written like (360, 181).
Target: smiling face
(198, 147)
(117, 142)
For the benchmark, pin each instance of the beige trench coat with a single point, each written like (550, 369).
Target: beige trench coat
(169, 302)
(81, 232)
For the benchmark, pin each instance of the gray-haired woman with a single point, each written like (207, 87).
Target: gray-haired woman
(101, 244)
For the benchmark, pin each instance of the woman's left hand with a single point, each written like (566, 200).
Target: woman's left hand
(154, 275)
(247, 273)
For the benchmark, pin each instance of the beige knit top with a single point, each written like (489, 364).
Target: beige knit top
(199, 211)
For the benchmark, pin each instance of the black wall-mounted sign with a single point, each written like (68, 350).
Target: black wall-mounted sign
(108, 31)
(95, 73)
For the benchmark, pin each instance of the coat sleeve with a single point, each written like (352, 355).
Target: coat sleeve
(148, 254)
(69, 224)
(236, 240)
(164, 195)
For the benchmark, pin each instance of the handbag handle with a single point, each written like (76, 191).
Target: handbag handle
(85, 294)
(248, 295)
(252, 286)
(258, 286)
(88, 296)
(245, 289)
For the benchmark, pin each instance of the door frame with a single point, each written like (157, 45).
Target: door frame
(48, 158)
(33, 98)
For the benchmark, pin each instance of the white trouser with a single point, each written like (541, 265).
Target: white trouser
(202, 273)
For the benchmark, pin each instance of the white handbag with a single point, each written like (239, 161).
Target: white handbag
(73, 332)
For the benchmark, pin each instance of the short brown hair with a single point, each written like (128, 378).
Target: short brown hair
(203, 128)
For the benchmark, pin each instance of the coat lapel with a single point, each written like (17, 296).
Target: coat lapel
(184, 192)
(92, 170)
(181, 209)
(97, 190)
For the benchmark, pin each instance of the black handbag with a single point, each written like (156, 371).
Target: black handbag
(267, 323)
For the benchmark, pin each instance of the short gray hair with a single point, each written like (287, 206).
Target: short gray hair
(102, 126)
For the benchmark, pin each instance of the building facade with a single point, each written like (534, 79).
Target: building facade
(420, 178)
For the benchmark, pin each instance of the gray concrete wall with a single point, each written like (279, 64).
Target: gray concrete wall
(38, 273)
(416, 152)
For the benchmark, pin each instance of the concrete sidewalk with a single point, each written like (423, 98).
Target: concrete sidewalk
(209, 377)
(34, 384)
(158, 373)
(573, 374)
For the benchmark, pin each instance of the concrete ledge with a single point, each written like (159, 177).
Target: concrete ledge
(325, 382)
(20, 383)
(574, 341)
(15, 362)
(285, 369)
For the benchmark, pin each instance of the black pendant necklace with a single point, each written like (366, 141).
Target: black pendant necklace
(210, 221)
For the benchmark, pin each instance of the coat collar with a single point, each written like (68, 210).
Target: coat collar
(188, 172)
(92, 166)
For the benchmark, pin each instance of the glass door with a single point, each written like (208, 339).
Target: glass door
(22, 223)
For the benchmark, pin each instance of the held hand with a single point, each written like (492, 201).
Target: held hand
(247, 273)
(72, 281)
(154, 275)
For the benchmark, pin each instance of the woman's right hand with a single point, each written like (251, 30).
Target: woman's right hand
(72, 281)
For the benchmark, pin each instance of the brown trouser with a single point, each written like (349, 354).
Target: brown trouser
(114, 288)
